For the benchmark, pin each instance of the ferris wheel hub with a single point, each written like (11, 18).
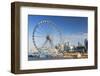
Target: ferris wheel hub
(48, 37)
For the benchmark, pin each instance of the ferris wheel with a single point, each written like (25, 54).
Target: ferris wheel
(46, 35)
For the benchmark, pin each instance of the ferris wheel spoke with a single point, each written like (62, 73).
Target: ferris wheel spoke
(38, 32)
(39, 36)
(50, 31)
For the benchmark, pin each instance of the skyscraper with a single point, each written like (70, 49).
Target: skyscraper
(86, 45)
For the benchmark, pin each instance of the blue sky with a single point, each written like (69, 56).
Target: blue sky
(71, 27)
